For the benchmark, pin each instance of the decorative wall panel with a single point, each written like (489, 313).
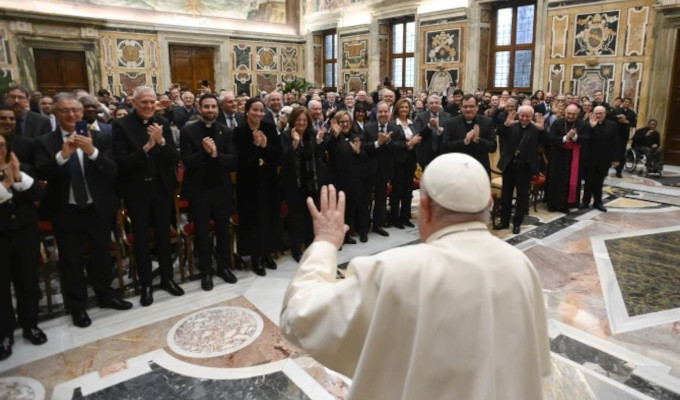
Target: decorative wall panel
(267, 82)
(637, 31)
(129, 60)
(243, 82)
(558, 37)
(355, 82)
(443, 46)
(8, 67)
(266, 58)
(587, 80)
(4, 47)
(556, 82)
(130, 53)
(259, 66)
(631, 80)
(353, 61)
(438, 81)
(596, 34)
(242, 57)
(355, 54)
(130, 80)
(289, 58)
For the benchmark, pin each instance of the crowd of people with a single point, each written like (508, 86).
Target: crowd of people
(82, 157)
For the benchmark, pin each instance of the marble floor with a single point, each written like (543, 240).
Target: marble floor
(611, 283)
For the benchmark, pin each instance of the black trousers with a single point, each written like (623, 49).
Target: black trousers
(19, 267)
(212, 204)
(379, 190)
(151, 209)
(517, 175)
(402, 189)
(594, 179)
(621, 151)
(299, 224)
(84, 233)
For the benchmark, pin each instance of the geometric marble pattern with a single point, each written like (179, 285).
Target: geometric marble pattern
(21, 388)
(214, 332)
(636, 31)
(560, 27)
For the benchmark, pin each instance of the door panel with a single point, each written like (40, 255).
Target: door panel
(60, 70)
(190, 65)
(672, 131)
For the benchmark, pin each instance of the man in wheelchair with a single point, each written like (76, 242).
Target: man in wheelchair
(647, 143)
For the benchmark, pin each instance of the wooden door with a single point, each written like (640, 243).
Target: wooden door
(60, 71)
(672, 132)
(190, 65)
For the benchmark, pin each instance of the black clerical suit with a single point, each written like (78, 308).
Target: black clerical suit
(601, 152)
(74, 219)
(623, 132)
(455, 131)
(519, 162)
(381, 163)
(232, 121)
(33, 125)
(19, 248)
(148, 182)
(566, 164)
(208, 188)
(428, 148)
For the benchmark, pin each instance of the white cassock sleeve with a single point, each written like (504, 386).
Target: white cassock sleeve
(324, 316)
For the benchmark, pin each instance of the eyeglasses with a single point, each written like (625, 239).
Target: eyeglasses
(68, 110)
(344, 121)
(17, 97)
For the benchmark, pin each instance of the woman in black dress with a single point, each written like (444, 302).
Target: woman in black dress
(299, 177)
(257, 189)
(404, 168)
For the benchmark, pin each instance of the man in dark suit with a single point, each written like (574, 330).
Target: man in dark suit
(389, 98)
(182, 115)
(29, 123)
(147, 160)
(274, 116)
(81, 200)
(19, 240)
(429, 125)
(454, 106)
(379, 140)
(209, 156)
(601, 155)
(228, 115)
(519, 162)
(470, 133)
(90, 111)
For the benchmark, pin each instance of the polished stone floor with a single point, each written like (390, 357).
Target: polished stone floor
(611, 284)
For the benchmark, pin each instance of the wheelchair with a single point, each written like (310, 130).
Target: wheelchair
(635, 160)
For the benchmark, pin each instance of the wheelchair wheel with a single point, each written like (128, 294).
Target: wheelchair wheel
(631, 161)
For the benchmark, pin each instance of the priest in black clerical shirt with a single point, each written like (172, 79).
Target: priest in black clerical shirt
(470, 133)
(209, 156)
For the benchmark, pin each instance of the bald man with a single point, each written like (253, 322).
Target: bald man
(600, 157)
(519, 162)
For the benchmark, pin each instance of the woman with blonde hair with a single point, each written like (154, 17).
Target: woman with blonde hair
(404, 168)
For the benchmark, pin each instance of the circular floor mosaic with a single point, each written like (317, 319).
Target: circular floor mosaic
(21, 388)
(215, 332)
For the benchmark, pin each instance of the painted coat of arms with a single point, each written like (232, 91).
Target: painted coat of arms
(443, 46)
(596, 34)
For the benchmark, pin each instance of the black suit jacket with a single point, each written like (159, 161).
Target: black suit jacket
(454, 134)
(100, 176)
(36, 125)
(129, 136)
(196, 160)
(428, 148)
(20, 211)
(527, 147)
(240, 118)
(25, 150)
(381, 159)
(603, 145)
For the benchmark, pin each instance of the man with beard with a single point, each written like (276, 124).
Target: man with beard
(601, 156)
(648, 141)
(90, 111)
(147, 160)
(598, 100)
(429, 125)
(470, 133)
(567, 138)
(28, 123)
(209, 156)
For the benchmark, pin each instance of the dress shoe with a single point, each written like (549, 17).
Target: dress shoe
(501, 227)
(583, 206)
(171, 287)
(268, 262)
(618, 174)
(409, 224)
(297, 254)
(259, 270)
(600, 207)
(350, 240)
(146, 297)
(515, 229)
(35, 335)
(380, 231)
(363, 237)
(398, 225)
(239, 263)
(81, 319)
(206, 282)
(225, 274)
(6, 347)
(115, 303)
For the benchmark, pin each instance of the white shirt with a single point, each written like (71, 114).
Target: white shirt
(406, 128)
(61, 161)
(23, 185)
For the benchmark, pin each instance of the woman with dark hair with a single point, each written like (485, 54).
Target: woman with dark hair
(359, 119)
(345, 169)
(539, 95)
(299, 177)
(404, 168)
(257, 196)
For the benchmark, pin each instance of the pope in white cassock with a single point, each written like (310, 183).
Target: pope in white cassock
(459, 316)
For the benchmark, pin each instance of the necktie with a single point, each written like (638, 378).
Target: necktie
(382, 128)
(232, 122)
(435, 116)
(77, 180)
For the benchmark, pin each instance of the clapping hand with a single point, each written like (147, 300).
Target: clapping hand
(571, 134)
(209, 146)
(384, 138)
(593, 120)
(156, 132)
(434, 122)
(335, 127)
(320, 134)
(259, 139)
(15, 167)
(68, 147)
(356, 145)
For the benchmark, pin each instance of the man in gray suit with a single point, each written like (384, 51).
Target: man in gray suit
(29, 123)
